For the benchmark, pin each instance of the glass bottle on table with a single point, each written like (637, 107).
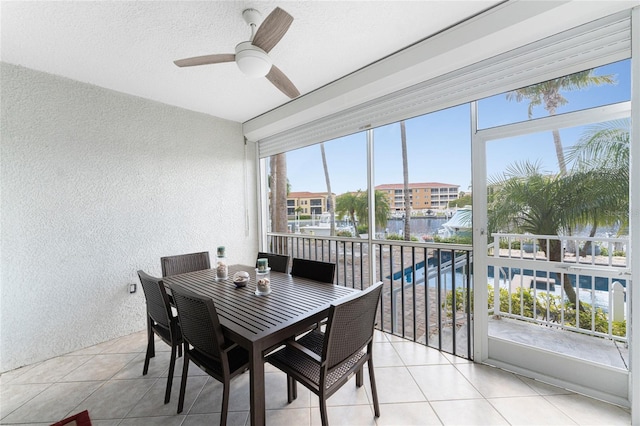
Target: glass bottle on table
(222, 267)
(263, 278)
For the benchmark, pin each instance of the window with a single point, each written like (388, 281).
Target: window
(438, 151)
(604, 85)
(346, 171)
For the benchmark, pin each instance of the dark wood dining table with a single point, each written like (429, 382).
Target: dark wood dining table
(260, 323)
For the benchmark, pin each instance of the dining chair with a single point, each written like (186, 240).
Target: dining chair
(277, 262)
(183, 263)
(324, 361)
(160, 322)
(205, 346)
(313, 269)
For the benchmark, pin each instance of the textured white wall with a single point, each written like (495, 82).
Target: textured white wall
(95, 185)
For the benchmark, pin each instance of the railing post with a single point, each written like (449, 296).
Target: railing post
(496, 276)
(618, 302)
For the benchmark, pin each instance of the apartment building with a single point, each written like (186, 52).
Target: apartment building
(309, 203)
(425, 195)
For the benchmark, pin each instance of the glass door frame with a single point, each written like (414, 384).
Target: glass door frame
(519, 358)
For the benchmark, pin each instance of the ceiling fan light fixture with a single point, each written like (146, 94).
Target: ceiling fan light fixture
(252, 57)
(252, 60)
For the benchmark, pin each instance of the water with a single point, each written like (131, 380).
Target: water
(597, 298)
(419, 226)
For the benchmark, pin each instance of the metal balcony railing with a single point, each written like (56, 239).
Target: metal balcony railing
(427, 293)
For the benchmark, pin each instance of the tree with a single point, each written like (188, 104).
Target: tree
(405, 179)
(381, 209)
(602, 145)
(463, 200)
(279, 189)
(525, 199)
(349, 203)
(329, 197)
(605, 145)
(548, 95)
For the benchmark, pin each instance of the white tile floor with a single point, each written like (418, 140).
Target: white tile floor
(416, 385)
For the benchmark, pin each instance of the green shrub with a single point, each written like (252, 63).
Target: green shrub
(619, 328)
(457, 239)
(398, 237)
(515, 245)
(461, 300)
(363, 229)
(601, 321)
(522, 302)
(344, 234)
(549, 307)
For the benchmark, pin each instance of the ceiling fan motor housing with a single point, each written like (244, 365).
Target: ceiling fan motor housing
(251, 16)
(252, 60)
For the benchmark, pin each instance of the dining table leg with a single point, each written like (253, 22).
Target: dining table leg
(256, 365)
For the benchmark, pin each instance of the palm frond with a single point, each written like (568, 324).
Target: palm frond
(602, 144)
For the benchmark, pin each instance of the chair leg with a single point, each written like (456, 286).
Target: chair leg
(150, 336)
(323, 411)
(183, 382)
(374, 390)
(172, 365)
(225, 402)
(150, 352)
(359, 378)
(292, 389)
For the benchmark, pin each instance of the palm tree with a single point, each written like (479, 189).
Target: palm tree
(381, 209)
(279, 189)
(525, 199)
(329, 197)
(605, 145)
(548, 94)
(348, 204)
(405, 179)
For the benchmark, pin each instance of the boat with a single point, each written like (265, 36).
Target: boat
(323, 227)
(458, 225)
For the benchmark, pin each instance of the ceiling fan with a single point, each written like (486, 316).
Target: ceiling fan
(252, 57)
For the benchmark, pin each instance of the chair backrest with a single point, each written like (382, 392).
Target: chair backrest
(199, 321)
(277, 262)
(182, 263)
(313, 269)
(158, 307)
(350, 326)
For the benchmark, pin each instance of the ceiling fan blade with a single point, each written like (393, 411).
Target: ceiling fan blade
(273, 28)
(205, 60)
(281, 81)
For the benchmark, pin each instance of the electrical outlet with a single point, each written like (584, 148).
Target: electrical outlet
(133, 287)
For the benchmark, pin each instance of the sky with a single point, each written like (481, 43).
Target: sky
(439, 143)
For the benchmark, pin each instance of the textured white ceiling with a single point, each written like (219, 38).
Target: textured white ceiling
(130, 46)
